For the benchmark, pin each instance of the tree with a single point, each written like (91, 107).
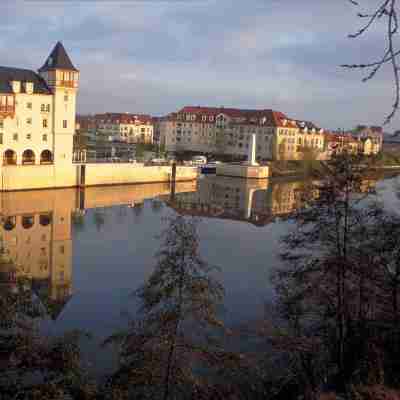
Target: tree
(330, 282)
(165, 353)
(33, 365)
(384, 10)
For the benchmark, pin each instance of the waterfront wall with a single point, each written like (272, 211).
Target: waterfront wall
(119, 174)
(243, 171)
(32, 177)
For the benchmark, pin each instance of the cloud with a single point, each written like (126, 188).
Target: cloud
(156, 56)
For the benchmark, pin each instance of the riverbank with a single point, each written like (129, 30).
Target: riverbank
(32, 177)
(299, 169)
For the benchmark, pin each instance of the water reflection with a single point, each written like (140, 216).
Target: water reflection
(36, 238)
(258, 202)
(36, 227)
(254, 201)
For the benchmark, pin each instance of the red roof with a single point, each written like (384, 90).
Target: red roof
(124, 118)
(246, 116)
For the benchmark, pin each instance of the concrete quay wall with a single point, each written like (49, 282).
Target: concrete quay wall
(243, 171)
(32, 177)
(119, 174)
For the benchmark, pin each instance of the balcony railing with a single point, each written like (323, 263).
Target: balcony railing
(71, 84)
(6, 109)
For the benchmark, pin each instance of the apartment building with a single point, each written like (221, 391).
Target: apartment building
(298, 140)
(371, 138)
(131, 128)
(361, 140)
(227, 131)
(37, 112)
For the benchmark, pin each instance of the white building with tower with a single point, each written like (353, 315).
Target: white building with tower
(37, 122)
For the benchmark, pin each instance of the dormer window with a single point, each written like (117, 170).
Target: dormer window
(29, 87)
(16, 86)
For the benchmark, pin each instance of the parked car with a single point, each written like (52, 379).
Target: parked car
(199, 160)
(158, 160)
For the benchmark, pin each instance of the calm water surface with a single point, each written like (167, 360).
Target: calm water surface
(86, 251)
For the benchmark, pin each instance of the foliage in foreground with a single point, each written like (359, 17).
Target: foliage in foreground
(34, 366)
(338, 291)
(171, 349)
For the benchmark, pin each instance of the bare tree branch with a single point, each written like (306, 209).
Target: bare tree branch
(385, 9)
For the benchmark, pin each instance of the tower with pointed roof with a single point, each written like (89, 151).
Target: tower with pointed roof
(62, 78)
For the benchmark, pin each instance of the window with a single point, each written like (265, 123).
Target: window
(15, 137)
(29, 121)
(44, 137)
(28, 221)
(46, 157)
(45, 123)
(28, 136)
(43, 107)
(65, 123)
(48, 107)
(28, 157)
(45, 219)
(1, 124)
(29, 105)
(66, 97)
(9, 223)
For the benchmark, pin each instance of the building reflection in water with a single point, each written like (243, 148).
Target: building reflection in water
(36, 234)
(255, 201)
(36, 226)
(35, 237)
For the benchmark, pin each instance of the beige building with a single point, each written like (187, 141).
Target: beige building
(37, 126)
(227, 131)
(37, 112)
(299, 140)
(131, 128)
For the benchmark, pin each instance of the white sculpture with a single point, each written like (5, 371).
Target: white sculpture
(251, 156)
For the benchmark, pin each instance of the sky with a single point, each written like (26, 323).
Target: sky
(155, 57)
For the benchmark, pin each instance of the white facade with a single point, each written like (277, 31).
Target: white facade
(229, 131)
(39, 128)
(126, 127)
